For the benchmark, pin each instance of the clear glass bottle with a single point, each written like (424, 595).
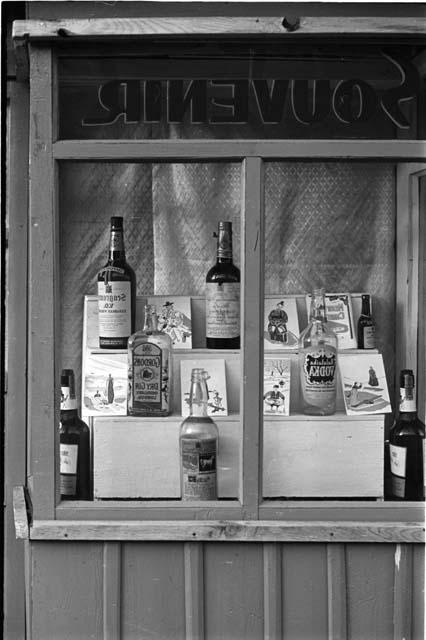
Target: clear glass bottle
(149, 369)
(116, 293)
(223, 295)
(318, 361)
(198, 444)
(406, 445)
(366, 325)
(74, 444)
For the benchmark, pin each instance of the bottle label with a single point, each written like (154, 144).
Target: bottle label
(68, 454)
(369, 337)
(407, 401)
(114, 307)
(199, 469)
(68, 485)
(319, 369)
(223, 310)
(398, 460)
(150, 376)
(67, 401)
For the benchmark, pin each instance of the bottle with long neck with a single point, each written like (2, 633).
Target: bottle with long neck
(318, 361)
(223, 295)
(198, 442)
(366, 325)
(149, 355)
(116, 293)
(406, 445)
(74, 444)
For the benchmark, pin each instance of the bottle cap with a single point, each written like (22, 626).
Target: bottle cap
(406, 379)
(116, 222)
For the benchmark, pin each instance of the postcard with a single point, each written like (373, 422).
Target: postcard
(104, 384)
(276, 386)
(281, 324)
(340, 319)
(216, 384)
(364, 384)
(174, 318)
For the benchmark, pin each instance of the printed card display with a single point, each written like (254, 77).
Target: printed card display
(104, 384)
(174, 318)
(364, 384)
(281, 324)
(276, 386)
(339, 312)
(216, 383)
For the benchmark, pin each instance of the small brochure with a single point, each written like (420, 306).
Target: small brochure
(364, 384)
(216, 384)
(105, 384)
(276, 386)
(281, 324)
(340, 318)
(174, 318)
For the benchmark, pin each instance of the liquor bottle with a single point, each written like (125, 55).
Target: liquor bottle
(198, 442)
(406, 445)
(366, 325)
(116, 293)
(149, 369)
(74, 444)
(318, 361)
(223, 295)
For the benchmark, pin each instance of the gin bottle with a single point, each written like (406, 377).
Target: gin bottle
(318, 361)
(149, 369)
(198, 442)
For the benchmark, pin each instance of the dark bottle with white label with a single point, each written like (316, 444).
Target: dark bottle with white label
(74, 444)
(406, 445)
(366, 325)
(223, 295)
(198, 442)
(116, 293)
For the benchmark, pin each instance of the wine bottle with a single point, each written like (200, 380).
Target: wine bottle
(198, 441)
(406, 445)
(366, 326)
(149, 369)
(223, 295)
(74, 444)
(116, 293)
(318, 361)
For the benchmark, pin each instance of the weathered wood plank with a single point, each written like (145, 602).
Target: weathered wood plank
(150, 150)
(272, 590)
(217, 26)
(403, 591)
(337, 604)
(20, 513)
(112, 591)
(229, 531)
(194, 590)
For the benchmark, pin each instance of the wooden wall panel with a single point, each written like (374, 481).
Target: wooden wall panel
(418, 611)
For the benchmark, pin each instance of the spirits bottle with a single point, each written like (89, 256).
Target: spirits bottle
(149, 369)
(406, 445)
(116, 293)
(198, 443)
(366, 325)
(223, 295)
(74, 444)
(318, 361)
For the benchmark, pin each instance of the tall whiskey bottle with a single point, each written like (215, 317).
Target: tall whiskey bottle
(74, 444)
(116, 293)
(406, 442)
(198, 442)
(223, 295)
(318, 361)
(366, 326)
(149, 369)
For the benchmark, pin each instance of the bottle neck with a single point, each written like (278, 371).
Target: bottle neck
(198, 398)
(407, 402)
(116, 246)
(224, 244)
(365, 309)
(318, 312)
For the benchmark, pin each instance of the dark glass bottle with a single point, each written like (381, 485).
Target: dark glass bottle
(366, 325)
(223, 295)
(406, 441)
(116, 293)
(74, 444)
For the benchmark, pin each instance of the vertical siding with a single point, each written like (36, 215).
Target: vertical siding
(226, 591)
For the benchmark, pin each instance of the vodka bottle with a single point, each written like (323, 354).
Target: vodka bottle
(223, 295)
(318, 361)
(198, 443)
(149, 369)
(406, 445)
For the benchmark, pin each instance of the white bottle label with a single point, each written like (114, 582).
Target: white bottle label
(198, 469)
(114, 307)
(68, 454)
(67, 402)
(398, 460)
(369, 337)
(223, 310)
